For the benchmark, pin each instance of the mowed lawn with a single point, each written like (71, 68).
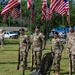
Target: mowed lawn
(9, 55)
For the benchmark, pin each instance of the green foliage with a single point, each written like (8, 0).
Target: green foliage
(26, 14)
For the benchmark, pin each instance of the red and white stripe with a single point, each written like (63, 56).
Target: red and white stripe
(29, 4)
(62, 7)
(53, 5)
(5, 17)
(33, 14)
(15, 13)
(48, 14)
(11, 4)
(44, 6)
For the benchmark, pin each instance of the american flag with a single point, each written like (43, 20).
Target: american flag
(33, 13)
(29, 4)
(68, 17)
(15, 13)
(63, 7)
(53, 5)
(44, 6)
(11, 4)
(5, 17)
(48, 14)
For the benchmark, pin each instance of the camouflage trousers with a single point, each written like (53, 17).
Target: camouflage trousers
(23, 58)
(73, 60)
(37, 53)
(56, 61)
(1, 41)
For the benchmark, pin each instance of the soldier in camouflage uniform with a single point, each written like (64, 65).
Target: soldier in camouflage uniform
(72, 50)
(68, 45)
(38, 45)
(1, 38)
(24, 47)
(69, 36)
(57, 48)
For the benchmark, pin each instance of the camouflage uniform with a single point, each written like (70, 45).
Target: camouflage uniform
(38, 45)
(72, 50)
(24, 48)
(69, 36)
(57, 49)
(1, 38)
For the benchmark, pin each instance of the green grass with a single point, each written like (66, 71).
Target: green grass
(9, 55)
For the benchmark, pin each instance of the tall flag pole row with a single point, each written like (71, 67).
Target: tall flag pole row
(59, 6)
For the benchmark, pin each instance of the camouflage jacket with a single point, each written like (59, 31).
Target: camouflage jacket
(72, 44)
(57, 45)
(69, 37)
(24, 42)
(38, 40)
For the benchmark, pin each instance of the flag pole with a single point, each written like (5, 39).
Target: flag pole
(30, 21)
(62, 20)
(9, 21)
(20, 15)
(69, 14)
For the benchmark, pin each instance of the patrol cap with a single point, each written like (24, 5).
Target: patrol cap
(56, 33)
(21, 29)
(37, 27)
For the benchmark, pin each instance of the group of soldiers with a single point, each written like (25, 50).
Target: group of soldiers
(57, 48)
(38, 45)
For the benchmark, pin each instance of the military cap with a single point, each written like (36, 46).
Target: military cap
(37, 27)
(56, 33)
(21, 29)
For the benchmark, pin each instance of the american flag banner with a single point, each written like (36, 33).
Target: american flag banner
(33, 13)
(53, 5)
(44, 6)
(63, 7)
(5, 17)
(11, 4)
(48, 14)
(29, 4)
(15, 13)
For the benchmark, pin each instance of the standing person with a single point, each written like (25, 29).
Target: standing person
(57, 48)
(38, 45)
(72, 50)
(69, 36)
(1, 38)
(24, 47)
